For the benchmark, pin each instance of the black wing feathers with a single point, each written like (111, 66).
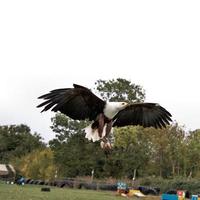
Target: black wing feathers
(78, 102)
(144, 114)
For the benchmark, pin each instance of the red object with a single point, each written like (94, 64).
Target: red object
(181, 193)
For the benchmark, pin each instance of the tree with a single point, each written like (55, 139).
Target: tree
(74, 154)
(135, 147)
(39, 164)
(167, 158)
(193, 153)
(120, 90)
(16, 141)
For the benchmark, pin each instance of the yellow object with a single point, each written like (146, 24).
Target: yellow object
(136, 193)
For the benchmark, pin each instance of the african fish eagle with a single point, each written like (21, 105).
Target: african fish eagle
(79, 103)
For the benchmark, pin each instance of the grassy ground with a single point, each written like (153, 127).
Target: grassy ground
(31, 192)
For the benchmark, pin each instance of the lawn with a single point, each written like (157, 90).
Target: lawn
(32, 192)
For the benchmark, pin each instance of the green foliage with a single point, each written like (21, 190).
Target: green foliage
(179, 183)
(193, 153)
(65, 127)
(74, 155)
(167, 148)
(135, 148)
(17, 141)
(149, 151)
(120, 90)
(38, 164)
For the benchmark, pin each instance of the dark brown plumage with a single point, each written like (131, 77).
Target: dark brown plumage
(143, 114)
(78, 103)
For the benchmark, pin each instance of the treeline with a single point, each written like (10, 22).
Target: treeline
(17, 141)
(167, 153)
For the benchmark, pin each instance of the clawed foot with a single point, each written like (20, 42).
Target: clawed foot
(105, 144)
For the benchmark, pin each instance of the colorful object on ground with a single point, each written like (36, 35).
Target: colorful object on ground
(122, 188)
(121, 185)
(136, 193)
(181, 194)
(195, 197)
(21, 181)
(169, 197)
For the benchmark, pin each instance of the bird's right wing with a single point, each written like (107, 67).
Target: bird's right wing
(78, 102)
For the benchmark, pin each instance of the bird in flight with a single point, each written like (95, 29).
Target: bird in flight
(79, 103)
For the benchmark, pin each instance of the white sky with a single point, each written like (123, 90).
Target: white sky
(46, 45)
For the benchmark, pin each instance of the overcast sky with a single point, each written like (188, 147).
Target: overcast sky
(46, 45)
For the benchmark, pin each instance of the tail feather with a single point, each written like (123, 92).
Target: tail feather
(92, 134)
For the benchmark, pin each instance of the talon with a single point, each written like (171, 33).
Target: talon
(105, 143)
(108, 145)
(102, 144)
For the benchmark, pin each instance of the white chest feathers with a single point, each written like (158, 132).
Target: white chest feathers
(112, 108)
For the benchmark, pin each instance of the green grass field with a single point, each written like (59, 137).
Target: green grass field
(33, 192)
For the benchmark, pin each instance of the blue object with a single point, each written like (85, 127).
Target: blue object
(121, 185)
(194, 197)
(21, 181)
(169, 197)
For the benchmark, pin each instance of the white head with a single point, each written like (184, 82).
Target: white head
(112, 108)
(118, 105)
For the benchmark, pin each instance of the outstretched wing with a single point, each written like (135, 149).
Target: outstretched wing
(78, 102)
(144, 114)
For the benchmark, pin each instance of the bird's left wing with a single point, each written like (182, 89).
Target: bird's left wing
(79, 102)
(144, 114)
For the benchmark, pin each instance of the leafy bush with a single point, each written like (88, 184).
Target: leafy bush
(191, 185)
